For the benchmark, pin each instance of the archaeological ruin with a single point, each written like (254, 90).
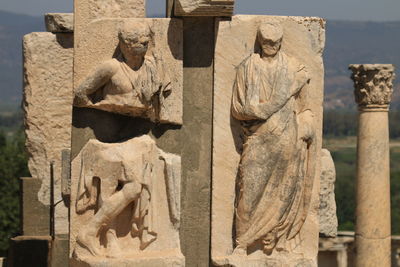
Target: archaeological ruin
(192, 140)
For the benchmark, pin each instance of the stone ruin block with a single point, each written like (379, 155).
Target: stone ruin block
(125, 194)
(126, 208)
(59, 22)
(259, 150)
(47, 105)
(204, 8)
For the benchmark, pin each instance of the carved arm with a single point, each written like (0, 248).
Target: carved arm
(94, 81)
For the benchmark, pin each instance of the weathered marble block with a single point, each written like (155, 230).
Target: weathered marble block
(204, 8)
(239, 76)
(125, 205)
(47, 105)
(328, 222)
(104, 78)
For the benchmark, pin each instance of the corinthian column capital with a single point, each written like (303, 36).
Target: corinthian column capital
(373, 85)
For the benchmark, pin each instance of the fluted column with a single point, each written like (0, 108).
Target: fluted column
(373, 91)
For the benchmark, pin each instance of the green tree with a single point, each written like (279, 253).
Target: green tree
(13, 165)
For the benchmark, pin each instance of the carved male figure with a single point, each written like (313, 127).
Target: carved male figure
(133, 78)
(115, 177)
(275, 172)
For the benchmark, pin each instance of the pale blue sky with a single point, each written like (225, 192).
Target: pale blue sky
(372, 10)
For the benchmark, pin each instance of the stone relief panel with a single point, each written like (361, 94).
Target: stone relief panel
(127, 202)
(131, 67)
(268, 119)
(275, 181)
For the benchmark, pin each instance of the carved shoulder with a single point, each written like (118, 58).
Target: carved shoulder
(108, 68)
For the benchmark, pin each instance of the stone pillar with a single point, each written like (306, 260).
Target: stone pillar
(373, 90)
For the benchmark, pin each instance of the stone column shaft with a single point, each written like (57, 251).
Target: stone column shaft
(198, 50)
(373, 89)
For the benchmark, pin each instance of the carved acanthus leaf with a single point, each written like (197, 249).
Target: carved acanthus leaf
(373, 84)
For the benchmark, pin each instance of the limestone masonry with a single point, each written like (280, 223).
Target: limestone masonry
(191, 140)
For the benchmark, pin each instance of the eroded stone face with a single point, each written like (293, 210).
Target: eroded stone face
(328, 222)
(126, 204)
(132, 68)
(204, 8)
(267, 140)
(48, 111)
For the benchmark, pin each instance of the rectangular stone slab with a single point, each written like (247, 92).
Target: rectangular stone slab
(48, 111)
(304, 40)
(208, 8)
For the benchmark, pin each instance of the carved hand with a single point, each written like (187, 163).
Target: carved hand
(301, 79)
(81, 99)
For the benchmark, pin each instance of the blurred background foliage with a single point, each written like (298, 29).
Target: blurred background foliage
(13, 164)
(340, 128)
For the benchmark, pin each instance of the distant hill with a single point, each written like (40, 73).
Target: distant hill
(12, 28)
(355, 43)
(346, 43)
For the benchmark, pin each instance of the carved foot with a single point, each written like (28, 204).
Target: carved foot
(87, 239)
(114, 250)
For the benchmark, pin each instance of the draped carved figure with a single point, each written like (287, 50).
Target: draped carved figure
(276, 171)
(135, 177)
(133, 83)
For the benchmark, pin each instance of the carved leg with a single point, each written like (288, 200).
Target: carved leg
(111, 207)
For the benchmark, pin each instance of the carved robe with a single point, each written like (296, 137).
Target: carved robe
(105, 167)
(276, 171)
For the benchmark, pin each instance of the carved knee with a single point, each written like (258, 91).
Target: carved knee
(132, 190)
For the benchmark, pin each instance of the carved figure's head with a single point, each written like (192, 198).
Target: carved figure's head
(134, 38)
(269, 37)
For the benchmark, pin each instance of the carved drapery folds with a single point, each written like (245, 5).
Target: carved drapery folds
(373, 85)
(125, 191)
(275, 172)
(128, 198)
(267, 141)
